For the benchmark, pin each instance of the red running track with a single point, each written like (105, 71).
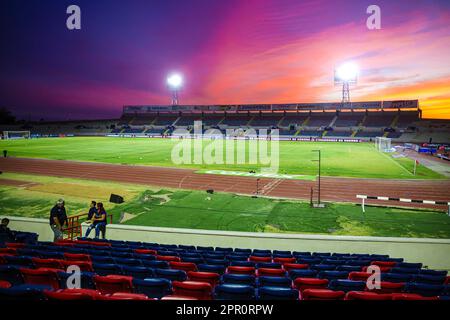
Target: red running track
(332, 189)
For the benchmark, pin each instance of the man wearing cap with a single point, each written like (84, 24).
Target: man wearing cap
(58, 219)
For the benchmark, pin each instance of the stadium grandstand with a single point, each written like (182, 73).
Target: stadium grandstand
(400, 120)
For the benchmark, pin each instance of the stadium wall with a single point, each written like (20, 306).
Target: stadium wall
(432, 252)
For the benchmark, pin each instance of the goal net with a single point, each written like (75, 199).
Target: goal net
(383, 144)
(10, 135)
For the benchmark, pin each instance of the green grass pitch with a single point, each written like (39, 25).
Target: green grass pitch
(218, 211)
(360, 160)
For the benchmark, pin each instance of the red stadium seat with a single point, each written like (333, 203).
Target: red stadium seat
(411, 296)
(145, 251)
(359, 276)
(15, 245)
(310, 283)
(240, 270)
(48, 263)
(77, 257)
(113, 283)
(447, 280)
(284, 260)
(364, 295)
(292, 266)
(382, 269)
(44, 276)
(199, 290)
(126, 296)
(322, 294)
(175, 297)
(389, 287)
(10, 251)
(84, 265)
(168, 258)
(4, 284)
(73, 294)
(185, 266)
(209, 277)
(384, 263)
(260, 259)
(271, 272)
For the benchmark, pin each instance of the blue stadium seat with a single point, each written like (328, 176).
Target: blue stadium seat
(237, 257)
(86, 279)
(211, 256)
(433, 272)
(246, 251)
(138, 272)
(128, 262)
(28, 252)
(193, 260)
(218, 262)
(171, 274)
(51, 255)
(205, 249)
(11, 274)
(270, 265)
(321, 254)
(24, 292)
(225, 250)
(396, 277)
(333, 262)
(346, 285)
(147, 257)
(234, 292)
(309, 261)
(243, 263)
(282, 252)
(155, 264)
(211, 268)
(121, 255)
(102, 259)
(426, 290)
(191, 248)
(361, 263)
(405, 270)
(104, 269)
(265, 281)
(277, 293)
(263, 252)
(23, 261)
(301, 253)
(429, 279)
(244, 279)
(330, 275)
(153, 288)
(323, 267)
(409, 265)
(301, 273)
(348, 268)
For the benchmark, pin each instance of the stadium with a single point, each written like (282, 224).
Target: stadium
(346, 200)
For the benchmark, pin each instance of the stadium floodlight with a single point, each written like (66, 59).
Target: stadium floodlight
(346, 74)
(174, 81)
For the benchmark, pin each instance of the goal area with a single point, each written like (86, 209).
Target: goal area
(383, 144)
(12, 135)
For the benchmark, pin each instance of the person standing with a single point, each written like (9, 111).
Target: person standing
(58, 219)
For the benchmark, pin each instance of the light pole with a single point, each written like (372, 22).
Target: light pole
(174, 81)
(318, 193)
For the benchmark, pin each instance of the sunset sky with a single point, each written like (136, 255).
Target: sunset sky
(229, 52)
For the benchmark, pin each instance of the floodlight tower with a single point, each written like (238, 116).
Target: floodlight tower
(174, 81)
(346, 74)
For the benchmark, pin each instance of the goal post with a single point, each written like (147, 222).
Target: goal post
(383, 144)
(11, 135)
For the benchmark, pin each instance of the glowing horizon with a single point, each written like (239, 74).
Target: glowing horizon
(233, 52)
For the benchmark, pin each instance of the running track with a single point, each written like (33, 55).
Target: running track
(332, 189)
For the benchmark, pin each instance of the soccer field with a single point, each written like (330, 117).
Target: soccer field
(360, 160)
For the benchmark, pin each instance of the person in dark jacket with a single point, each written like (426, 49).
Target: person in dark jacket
(58, 219)
(92, 210)
(5, 233)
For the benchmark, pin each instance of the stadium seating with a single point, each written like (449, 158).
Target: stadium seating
(136, 274)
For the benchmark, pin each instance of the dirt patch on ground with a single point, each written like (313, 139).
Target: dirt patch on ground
(17, 183)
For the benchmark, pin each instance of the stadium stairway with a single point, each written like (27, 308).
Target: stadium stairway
(132, 270)
(280, 122)
(394, 121)
(333, 121)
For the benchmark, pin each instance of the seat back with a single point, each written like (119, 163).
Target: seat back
(372, 296)
(209, 277)
(153, 288)
(322, 294)
(277, 293)
(310, 283)
(113, 283)
(234, 292)
(42, 276)
(199, 290)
